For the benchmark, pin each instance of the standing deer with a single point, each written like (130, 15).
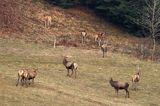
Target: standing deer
(25, 75)
(104, 48)
(136, 78)
(117, 85)
(83, 34)
(99, 38)
(70, 66)
(47, 21)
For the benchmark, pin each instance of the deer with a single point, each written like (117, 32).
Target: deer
(47, 21)
(99, 38)
(136, 78)
(104, 48)
(70, 66)
(117, 85)
(83, 34)
(25, 75)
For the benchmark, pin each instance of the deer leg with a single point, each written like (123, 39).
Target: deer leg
(25, 81)
(18, 80)
(22, 81)
(103, 54)
(116, 91)
(95, 39)
(99, 43)
(33, 81)
(75, 73)
(67, 72)
(134, 85)
(29, 83)
(82, 39)
(127, 93)
(72, 71)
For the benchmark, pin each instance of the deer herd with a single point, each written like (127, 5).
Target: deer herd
(25, 75)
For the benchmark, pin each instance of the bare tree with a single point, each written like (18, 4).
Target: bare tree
(151, 20)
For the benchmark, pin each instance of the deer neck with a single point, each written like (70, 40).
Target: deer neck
(65, 61)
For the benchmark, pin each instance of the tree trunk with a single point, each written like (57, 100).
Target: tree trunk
(153, 49)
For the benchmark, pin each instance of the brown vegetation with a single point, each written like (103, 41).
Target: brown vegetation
(29, 22)
(10, 15)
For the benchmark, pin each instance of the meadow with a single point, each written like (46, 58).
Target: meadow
(91, 88)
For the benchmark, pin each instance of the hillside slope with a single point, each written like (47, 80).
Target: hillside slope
(66, 22)
(67, 25)
(32, 47)
(91, 88)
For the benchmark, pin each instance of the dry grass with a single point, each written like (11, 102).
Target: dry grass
(66, 22)
(91, 88)
(69, 23)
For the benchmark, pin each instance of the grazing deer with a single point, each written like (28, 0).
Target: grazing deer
(120, 86)
(22, 74)
(70, 66)
(83, 34)
(25, 75)
(136, 78)
(47, 21)
(99, 38)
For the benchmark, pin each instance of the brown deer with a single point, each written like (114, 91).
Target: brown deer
(25, 75)
(47, 21)
(99, 38)
(136, 78)
(84, 35)
(70, 66)
(117, 85)
(104, 48)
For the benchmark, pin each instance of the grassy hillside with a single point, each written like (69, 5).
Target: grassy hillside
(67, 25)
(32, 47)
(91, 88)
(64, 22)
